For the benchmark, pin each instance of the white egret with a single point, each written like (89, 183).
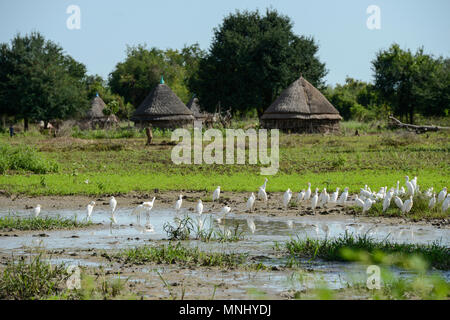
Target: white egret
(407, 205)
(414, 183)
(308, 192)
(432, 202)
(386, 202)
(409, 186)
(226, 210)
(429, 192)
(446, 203)
(262, 191)
(367, 205)
(250, 202)
(148, 207)
(287, 197)
(262, 194)
(89, 209)
(359, 202)
(344, 196)
(334, 196)
(37, 210)
(442, 194)
(397, 190)
(216, 194)
(398, 202)
(251, 225)
(199, 206)
(113, 204)
(314, 200)
(301, 195)
(178, 203)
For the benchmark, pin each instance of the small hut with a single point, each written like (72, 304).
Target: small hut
(302, 108)
(163, 109)
(95, 118)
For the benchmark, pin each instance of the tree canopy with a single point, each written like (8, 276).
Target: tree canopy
(142, 70)
(39, 81)
(412, 82)
(252, 58)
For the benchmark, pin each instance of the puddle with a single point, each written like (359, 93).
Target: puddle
(259, 244)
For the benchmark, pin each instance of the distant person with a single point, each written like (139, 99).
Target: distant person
(11, 131)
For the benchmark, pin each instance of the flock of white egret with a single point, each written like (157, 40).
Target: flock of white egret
(365, 199)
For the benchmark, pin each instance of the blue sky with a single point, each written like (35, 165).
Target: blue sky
(347, 46)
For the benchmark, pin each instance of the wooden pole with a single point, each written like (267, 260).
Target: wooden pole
(149, 133)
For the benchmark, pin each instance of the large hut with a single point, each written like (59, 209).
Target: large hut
(163, 109)
(302, 108)
(95, 118)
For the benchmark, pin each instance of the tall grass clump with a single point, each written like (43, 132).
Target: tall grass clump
(364, 248)
(24, 158)
(32, 279)
(178, 254)
(40, 223)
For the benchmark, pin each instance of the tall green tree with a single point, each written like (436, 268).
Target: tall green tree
(252, 58)
(412, 82)
(142, 70)
(39, 81)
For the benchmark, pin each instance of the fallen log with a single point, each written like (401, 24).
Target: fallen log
(411, 127)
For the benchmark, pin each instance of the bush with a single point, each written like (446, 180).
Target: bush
(24, 158)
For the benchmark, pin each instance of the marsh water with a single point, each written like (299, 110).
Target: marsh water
(258, 245)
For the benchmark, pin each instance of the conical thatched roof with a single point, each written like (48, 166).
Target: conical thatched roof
(97, 107)
(194, 106)
(162, 104)
(301, 101)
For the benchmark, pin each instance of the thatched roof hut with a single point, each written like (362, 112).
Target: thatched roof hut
(163, 109)
(96, 118)
(302, 108)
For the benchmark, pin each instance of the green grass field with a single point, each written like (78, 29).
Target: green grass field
(93, 164)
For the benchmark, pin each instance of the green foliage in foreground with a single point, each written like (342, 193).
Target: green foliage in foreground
(31, 279)
(40, 223)
(363, 248)
(178, 254)
(24, 158)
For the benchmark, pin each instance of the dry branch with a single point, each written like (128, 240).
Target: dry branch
(411, 127)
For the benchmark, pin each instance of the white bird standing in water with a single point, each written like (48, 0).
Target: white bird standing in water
(442, 194)
(314, 200)
(308, 192)
(250, 202)
(178, 203)
(432, 202)
(286, 198)
(148, 207)
(226, 210)
(37, 210)
(251, 225)
(89, 209)
(216, 194)
(407, 205)
(199, 206)
(414, 183)
(343, 197)
(113, 205)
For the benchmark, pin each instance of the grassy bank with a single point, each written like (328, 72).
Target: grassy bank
(96, 164)
(47, 223)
